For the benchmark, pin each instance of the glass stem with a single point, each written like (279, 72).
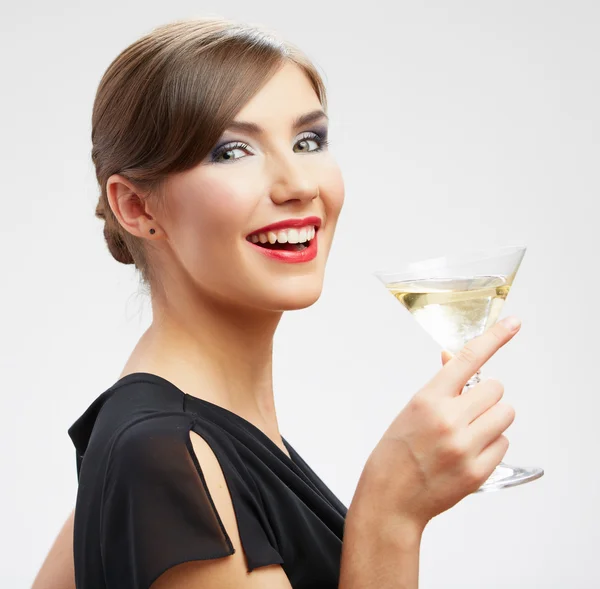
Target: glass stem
(476, 378)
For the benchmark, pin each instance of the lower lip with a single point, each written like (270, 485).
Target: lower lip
(292, 257)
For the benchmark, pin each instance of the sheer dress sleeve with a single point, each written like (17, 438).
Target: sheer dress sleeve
(156, 510)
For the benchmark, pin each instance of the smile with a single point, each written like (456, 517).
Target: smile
(287, 245)
(285, 236)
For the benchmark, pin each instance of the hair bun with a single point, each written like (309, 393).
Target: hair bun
(117, 247)
(100, 210)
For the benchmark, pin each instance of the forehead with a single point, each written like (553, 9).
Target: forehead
(287, 94)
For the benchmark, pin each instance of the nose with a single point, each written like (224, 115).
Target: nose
(293, 180)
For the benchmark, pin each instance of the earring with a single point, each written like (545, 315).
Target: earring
(152, 231)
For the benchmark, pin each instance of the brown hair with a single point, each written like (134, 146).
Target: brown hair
(165, 100)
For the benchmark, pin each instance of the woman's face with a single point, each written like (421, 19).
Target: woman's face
(285, 172)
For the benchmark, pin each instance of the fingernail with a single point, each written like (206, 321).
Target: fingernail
(511, 323)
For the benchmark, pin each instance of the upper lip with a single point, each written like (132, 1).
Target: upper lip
(289, 223)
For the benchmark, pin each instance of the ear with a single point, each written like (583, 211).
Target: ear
(130, 207)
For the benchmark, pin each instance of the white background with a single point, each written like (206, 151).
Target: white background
(457, 125)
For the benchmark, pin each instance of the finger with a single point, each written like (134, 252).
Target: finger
(489, 459)
(476, 400)
(493, 423)
(446, 357)
(451, 379)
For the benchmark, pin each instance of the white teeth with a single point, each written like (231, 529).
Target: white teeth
(285, 236)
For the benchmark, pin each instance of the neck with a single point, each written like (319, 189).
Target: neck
(215, 352)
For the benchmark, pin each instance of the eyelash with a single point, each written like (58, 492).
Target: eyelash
(323, 143)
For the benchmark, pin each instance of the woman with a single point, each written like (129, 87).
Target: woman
(210, 147)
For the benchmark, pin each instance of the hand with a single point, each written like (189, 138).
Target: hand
(444, 444)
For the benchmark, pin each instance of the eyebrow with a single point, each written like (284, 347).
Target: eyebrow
(254, 129)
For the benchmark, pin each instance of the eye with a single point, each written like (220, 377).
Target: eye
(227, 151)
(310, 137)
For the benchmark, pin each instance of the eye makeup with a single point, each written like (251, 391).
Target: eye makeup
(319, 135)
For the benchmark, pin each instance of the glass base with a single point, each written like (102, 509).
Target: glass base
(505, 476)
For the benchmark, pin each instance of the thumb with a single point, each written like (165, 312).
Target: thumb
(446, 356)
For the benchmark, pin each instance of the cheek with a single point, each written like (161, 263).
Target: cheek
(217, 209)
(207, 221)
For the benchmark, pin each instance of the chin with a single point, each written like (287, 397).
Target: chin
(293, 299)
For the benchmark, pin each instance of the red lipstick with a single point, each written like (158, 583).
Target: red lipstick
(289, 224)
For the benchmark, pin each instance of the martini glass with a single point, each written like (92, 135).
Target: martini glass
(456, 298)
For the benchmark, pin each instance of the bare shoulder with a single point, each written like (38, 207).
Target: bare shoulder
(224, 573)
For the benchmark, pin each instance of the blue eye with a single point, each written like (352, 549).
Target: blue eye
(226, 151)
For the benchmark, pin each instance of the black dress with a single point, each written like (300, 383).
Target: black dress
(143, 505)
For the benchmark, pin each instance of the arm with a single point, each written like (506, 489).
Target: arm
(439, 449)
(58, 570)
(380, 550)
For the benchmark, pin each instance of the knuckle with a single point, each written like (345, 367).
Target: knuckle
(467, 355)
(420, 402)
(473, 477)
(501, 448)
(495, 386)
(454, 450)
(508, 412)
(442, 425)
(421, 407)
(504, 443)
